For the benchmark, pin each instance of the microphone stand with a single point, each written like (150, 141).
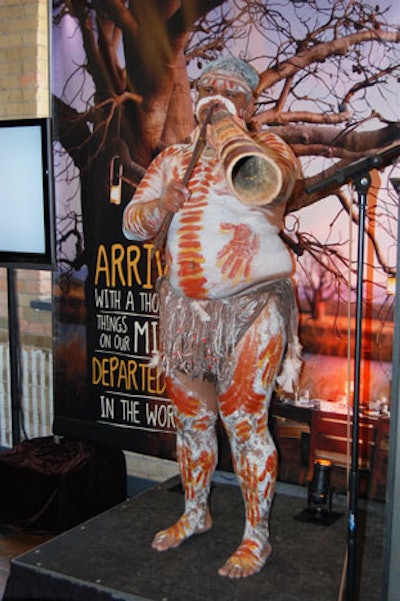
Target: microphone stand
(353, 171)
(361, 183)
(358, 173)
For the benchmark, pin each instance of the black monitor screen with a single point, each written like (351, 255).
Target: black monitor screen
(26, 194)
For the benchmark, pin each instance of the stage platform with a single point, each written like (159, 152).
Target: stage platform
(109, 558)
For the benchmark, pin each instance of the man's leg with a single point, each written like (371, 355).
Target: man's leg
(243, 408)
(195, 416)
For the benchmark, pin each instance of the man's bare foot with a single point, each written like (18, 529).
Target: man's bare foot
(248, 559)
(177, 533)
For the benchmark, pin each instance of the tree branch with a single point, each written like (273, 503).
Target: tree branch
(319, 53)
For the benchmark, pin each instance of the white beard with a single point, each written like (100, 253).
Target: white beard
(228, 104)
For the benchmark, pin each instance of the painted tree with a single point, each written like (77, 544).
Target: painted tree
(323, 65)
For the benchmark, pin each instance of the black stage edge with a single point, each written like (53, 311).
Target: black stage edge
(109, 558)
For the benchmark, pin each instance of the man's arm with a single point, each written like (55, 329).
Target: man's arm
(153, 200)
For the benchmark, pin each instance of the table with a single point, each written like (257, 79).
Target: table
(292, 425)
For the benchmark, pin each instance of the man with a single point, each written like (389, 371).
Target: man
(227, 308)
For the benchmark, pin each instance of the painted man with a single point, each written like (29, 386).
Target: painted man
(227, 309)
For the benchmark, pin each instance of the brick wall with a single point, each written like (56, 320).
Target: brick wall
(24, 64)
(25, 92)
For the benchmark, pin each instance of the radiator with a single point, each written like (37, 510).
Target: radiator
(37, 394)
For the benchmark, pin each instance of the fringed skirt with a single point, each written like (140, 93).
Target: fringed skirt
(197, 337)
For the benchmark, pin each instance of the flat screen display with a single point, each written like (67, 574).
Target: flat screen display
(27, 234)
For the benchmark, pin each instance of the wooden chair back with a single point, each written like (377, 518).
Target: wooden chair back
(378, 480)
(331, 438)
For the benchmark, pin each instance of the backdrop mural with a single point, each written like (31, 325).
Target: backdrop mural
(123, 85)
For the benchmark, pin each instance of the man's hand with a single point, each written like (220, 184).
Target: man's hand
(175, 195)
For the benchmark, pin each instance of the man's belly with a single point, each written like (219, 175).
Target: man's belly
(214, 267)
(217, 246)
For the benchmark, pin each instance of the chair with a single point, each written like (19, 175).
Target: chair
(331, 438)
(292, 442)
(378, 480)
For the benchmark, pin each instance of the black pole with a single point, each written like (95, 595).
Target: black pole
(15, 356)
(361, 184)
